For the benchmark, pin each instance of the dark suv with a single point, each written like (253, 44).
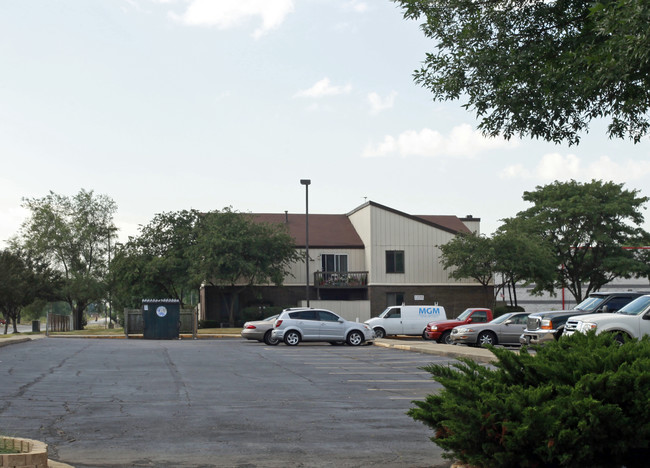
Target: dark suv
(547, 326)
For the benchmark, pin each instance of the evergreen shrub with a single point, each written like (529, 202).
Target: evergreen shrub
(582, 401)
(504, 309)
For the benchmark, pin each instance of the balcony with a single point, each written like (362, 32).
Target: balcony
(339, 279)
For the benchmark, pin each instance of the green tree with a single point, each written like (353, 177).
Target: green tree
(157, 263)
(72, 234)
(521, 255)
(22, 281)
(587, 226)
(540, 68)
(235, 252)
(470, 256)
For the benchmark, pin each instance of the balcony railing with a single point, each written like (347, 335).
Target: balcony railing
(338, 279)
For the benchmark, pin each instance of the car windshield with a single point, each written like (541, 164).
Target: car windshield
(635, 307)
(591, 303)
(501, 318)
(383, 314)
(464, 315)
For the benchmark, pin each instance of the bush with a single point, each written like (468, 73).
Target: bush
(579, 401)
(249, 314)
(504, 309)
(209, 324)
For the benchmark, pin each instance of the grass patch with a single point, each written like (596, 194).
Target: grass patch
(9, 335)
(93, 331)
(7, 451)
(120, 331)
(215, 331)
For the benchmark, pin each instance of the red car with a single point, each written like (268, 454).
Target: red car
(2, 321)
(441, 331)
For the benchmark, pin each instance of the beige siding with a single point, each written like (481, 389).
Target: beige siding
(361, 220)
(473, 225)
(418, 241)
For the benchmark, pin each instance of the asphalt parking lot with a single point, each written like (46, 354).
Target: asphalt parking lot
(217, 403)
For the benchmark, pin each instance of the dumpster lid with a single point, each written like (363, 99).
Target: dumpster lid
(172, 301)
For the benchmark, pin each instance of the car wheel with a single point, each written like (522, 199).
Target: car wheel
(355, 338)
(292, 338)
(487, 338)
(269, 340)
(425, 337)
(619, 338)
(379, 332)
(445, 337)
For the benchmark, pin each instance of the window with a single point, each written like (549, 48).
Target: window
(334, 262)
(480, 316)
(520, 319)
(326, 316)
(394, 313)
(394, 261)
(304, 315)
(395, 298)
(615, 303)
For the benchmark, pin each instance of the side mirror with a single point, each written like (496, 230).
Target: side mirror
(605, 309)
(469, 320)
(507, 322)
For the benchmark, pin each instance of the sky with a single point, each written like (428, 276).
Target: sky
(166, 105)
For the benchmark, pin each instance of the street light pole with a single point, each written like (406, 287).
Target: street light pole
(306, 183)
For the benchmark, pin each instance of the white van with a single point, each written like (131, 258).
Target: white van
(406, 320)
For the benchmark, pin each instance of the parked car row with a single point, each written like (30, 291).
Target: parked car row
(543, 327)
(305, 324)
(625, 314)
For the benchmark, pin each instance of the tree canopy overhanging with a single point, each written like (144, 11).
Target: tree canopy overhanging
(540, 68)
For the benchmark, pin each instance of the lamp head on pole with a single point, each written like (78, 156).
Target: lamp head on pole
(305, 181)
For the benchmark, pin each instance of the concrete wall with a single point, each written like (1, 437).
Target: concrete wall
(357, 311)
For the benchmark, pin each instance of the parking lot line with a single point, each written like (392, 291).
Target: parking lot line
(387, 380)
(378, 372)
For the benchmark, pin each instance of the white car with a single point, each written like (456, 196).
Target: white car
(632, 320)
(296, 325)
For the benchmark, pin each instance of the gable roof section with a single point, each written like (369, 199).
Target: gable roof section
(331, 231)
(325, 231)
(448, 223)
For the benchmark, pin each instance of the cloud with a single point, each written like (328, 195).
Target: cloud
(324, 88)
(378, 104)
(462, 141)
(228, 14)
(516, 171)
(556, 166)
(356, 6)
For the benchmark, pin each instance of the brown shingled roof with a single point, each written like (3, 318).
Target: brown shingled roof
(325, 231)
(446, 221)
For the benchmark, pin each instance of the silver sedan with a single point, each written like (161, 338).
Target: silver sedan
(504, 329)
(260, 330)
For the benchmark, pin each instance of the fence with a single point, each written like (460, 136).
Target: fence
(133, 324)
(58, 323)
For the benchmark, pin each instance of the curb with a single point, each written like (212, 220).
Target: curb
(452, 351)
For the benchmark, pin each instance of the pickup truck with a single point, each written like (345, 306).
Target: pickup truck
(543, 327)
(632, 321)
(440, 331)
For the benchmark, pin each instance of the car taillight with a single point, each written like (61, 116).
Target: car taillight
(277, 323)
(250, 327)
